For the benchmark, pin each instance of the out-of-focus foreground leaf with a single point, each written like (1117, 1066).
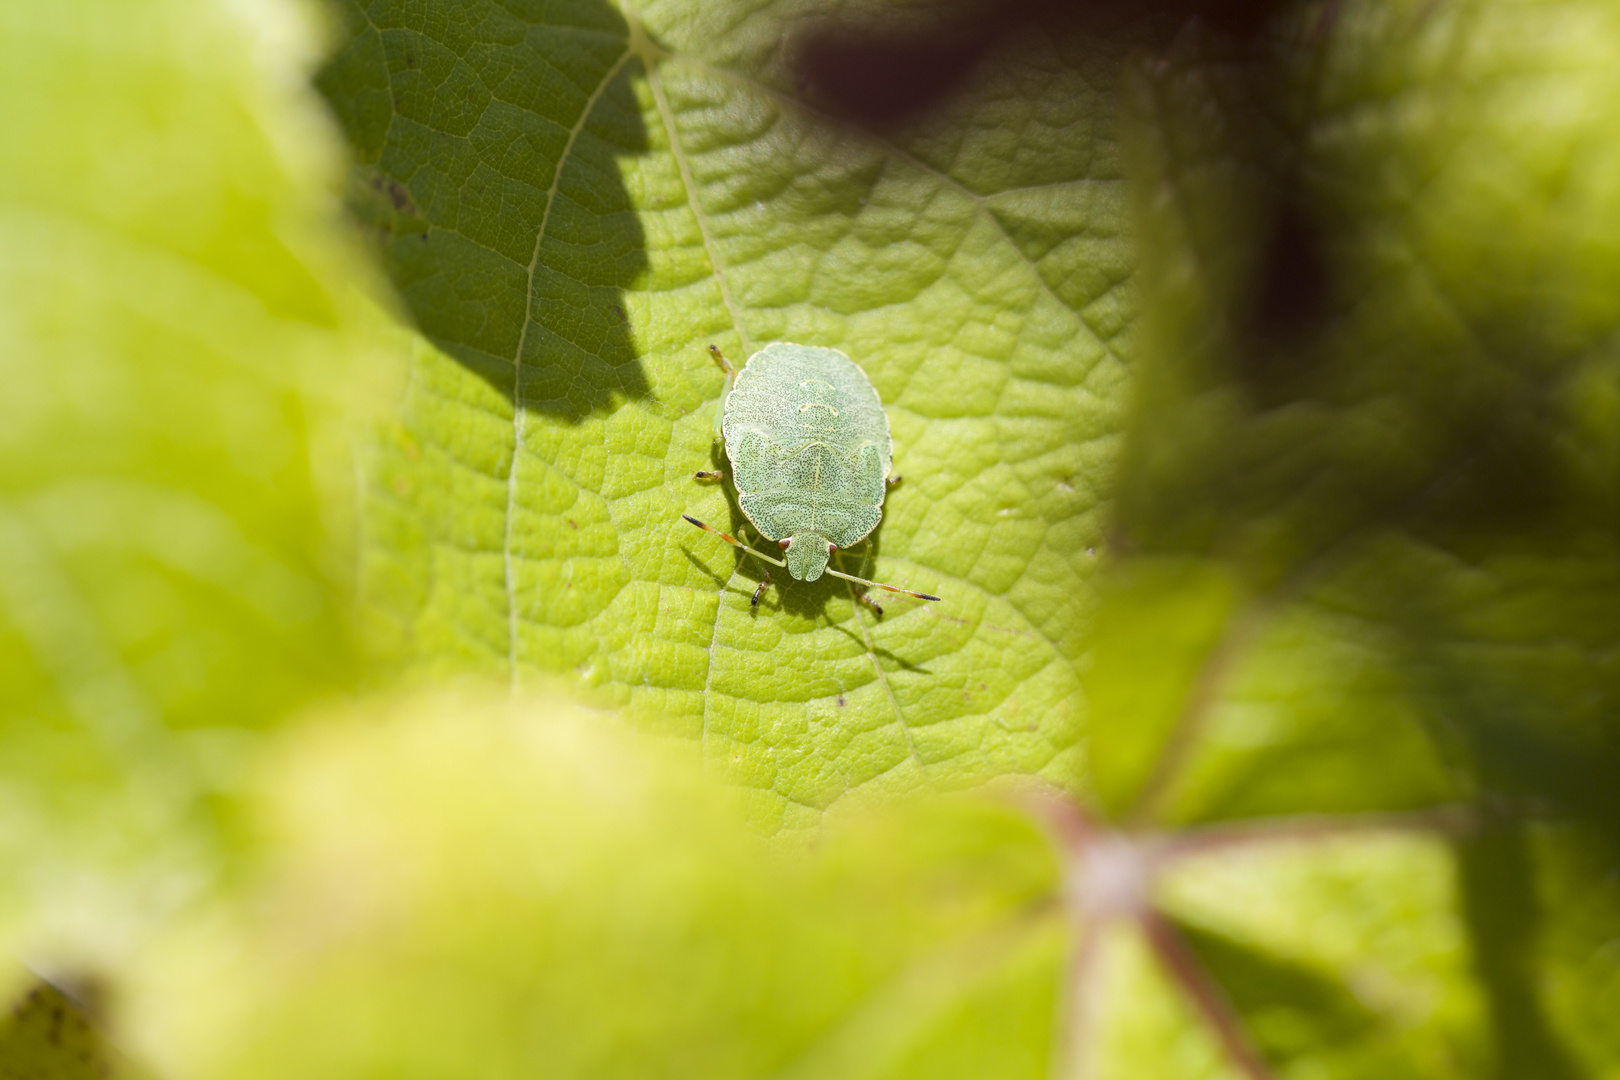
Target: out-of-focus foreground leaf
(574, 200)
(1371, 482)
(172, 354)
(498, 887)
(487, 888)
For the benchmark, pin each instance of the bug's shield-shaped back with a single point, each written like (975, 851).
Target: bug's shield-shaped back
(809, 445)
(816, 496)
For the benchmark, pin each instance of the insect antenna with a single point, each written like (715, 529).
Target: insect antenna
(725, 365)
(734, 542)
(731, 378)
(878, 584)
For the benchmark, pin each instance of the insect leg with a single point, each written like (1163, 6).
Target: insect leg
(764, 584)
(734, 542)
(725, 365)
(731, 377)
(863, 596)
(880, 585)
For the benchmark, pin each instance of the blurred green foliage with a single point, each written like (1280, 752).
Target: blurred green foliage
(366, 709)
(179, 375)
(573, 202)
(491, 889)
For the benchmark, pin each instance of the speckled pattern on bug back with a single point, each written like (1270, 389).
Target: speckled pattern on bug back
(810, 451)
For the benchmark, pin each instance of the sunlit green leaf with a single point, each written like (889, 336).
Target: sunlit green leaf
(175, 352)
(574, 201)
(493, 889)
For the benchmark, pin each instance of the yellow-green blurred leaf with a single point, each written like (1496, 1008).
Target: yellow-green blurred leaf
(471, 885)
(177, 345)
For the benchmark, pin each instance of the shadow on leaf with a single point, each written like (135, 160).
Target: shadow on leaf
(1290, 1010)
(1503, 919)
(488, 174)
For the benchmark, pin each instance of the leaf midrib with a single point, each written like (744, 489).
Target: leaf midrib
(519, 410)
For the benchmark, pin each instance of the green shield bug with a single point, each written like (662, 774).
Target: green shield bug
(810, 451)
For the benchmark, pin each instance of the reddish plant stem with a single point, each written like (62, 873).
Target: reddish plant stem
(1188, 973)
(1077, 1004)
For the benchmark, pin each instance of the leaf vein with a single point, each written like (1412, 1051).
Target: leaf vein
(667, 117)
(519, 411)
(979, 201)
(882, 676)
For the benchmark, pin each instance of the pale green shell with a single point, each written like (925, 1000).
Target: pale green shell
(810, 450)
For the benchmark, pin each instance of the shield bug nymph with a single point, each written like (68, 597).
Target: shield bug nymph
(810, 451)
